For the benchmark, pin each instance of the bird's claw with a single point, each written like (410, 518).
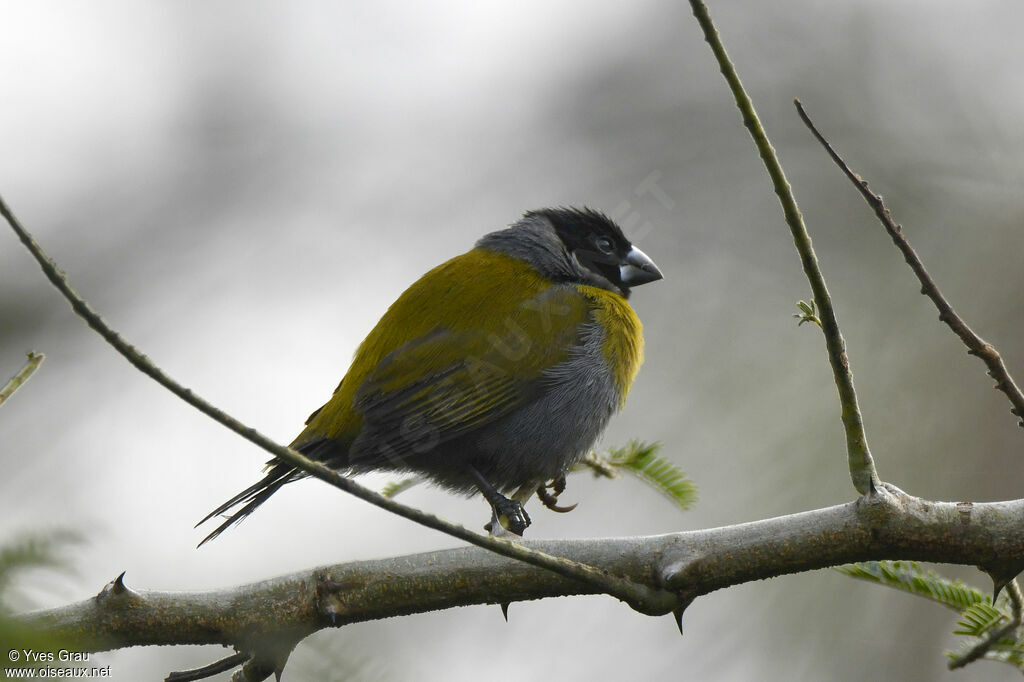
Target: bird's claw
(550, 499)
(507, 515)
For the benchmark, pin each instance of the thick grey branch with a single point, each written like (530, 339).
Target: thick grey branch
(886, 524)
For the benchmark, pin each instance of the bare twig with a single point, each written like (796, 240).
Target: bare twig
(599, 465)
(862, 467)
(232, 661)
(641, 597)
(19, 379)
(975, 344)
(982, 647)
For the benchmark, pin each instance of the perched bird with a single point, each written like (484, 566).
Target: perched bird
(495, 372)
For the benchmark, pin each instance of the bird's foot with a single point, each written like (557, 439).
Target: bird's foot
(507, 516)
(550, 499)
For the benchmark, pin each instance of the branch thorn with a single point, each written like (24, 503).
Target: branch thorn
(678, 614)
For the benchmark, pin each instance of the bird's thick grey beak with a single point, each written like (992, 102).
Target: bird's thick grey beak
(638, 269)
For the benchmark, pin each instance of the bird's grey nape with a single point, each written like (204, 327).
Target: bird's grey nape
(533, 239)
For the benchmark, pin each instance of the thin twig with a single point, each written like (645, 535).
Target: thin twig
(232, 661)
(975, 344)
(638, 596)
(254, 670)
(601, 466)
(862, 467)
(19, 379)
(983, 647)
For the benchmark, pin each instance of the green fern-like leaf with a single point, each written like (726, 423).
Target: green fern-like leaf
(641, 460)
(908, 576)
(979, 618)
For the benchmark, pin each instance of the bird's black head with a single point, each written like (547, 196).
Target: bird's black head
(575, 245)
(598, 246)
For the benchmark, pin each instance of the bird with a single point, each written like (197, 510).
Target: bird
(495, 372)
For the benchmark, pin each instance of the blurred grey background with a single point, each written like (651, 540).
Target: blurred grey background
(243, 188)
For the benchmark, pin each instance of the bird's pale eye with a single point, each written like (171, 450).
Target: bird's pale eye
(605, 244)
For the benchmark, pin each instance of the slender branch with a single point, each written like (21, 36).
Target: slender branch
(255, 670)
(19, 379)
(224, 664)
(975, 344)
(862, 467)
(639, 596)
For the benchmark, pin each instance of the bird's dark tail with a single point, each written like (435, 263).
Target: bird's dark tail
(323, 450)
(252, 497)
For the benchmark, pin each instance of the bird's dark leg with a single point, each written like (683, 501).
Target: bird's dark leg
(516, 518)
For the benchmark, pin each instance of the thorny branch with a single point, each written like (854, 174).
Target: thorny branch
(272, 615)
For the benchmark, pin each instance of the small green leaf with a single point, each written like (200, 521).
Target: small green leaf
(808, 313)
(641, 460)
(977, 619)
(908, 576)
